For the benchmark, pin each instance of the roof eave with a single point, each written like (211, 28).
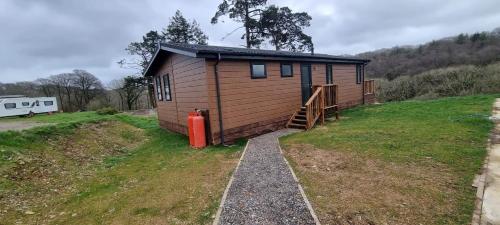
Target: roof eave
(282, 58)
(215, 55)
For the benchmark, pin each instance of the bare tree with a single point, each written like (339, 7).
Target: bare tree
(129, 89)
(46, 86)
(87, 87)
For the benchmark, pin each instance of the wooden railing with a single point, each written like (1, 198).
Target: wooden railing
(324, 97)
(315, 108)
(369, 87)
(330, 92)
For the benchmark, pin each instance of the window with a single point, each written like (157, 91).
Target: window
(286, 70)
(329, 73)
(166, 87)
(258, 70)
(359, 73)
(10, 105)
(25, 104)
(48, 103)
(159, 95)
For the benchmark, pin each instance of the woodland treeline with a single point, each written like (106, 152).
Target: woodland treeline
(80, 90)
(477, 49)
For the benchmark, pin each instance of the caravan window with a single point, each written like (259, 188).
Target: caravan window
(26, 104)
(48, 103)
(10, 105)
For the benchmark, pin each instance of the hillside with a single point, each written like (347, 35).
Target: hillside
(464, 49)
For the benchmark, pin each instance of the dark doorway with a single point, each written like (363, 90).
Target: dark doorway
(305, 82)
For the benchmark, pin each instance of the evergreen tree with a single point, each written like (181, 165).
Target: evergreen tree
(461, 39)
(144, 50)
(284, 28)
(247, 12)
(181, 31)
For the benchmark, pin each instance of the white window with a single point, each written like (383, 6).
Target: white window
(26, 104)
(48, 103)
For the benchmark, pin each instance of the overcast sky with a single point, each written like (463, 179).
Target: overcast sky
(44, 37)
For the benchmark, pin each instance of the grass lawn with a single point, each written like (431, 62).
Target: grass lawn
(60, 117)
(407, 162)
(120, 169)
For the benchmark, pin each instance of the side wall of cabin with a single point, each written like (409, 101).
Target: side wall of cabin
(254, 106)
(188, 88)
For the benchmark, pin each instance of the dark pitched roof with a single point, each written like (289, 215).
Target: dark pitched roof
(214, 52)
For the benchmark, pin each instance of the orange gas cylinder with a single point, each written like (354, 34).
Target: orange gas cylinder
(191, 115)
(199, 131)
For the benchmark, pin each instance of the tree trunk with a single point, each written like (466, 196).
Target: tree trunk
(247, 28)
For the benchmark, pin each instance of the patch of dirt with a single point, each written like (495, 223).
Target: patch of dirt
(348, 188)
(44, 175)
(19, 125)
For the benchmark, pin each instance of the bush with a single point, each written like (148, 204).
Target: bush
(107, 111)
(451, 81)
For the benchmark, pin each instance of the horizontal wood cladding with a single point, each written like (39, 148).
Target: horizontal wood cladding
(370, 98)
(167, 110)
(172, 126)
(249, 106)
(188, 84)
(246, 101)
(350, 93)
(251, 130)
(249, 101)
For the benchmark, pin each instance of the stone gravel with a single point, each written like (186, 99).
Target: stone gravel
(263, 190)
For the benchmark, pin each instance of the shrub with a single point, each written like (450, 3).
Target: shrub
(451, 81)
(107, 111)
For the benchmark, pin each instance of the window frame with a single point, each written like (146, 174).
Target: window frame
(159, 92)
(287, 64)
(10, 103)
(258, 63)
(45, 103)
(329, 74)
(166, 86)
(359, 73)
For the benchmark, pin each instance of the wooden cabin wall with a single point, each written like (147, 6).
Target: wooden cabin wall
(188, 86)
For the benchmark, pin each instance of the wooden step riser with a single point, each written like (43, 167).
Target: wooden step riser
(297, 127)
(299, 121)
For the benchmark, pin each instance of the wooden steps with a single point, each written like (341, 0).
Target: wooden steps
(324, 99)
(298, 120)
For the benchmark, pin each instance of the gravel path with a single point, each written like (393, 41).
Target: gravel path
(19, 125)
(263, 189)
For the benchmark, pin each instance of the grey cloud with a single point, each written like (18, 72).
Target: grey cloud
(40, 38)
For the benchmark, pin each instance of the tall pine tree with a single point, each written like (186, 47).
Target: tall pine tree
(246, 12)
(284, 28)
(181, 31)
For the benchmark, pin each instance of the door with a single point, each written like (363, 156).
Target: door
(305, 82)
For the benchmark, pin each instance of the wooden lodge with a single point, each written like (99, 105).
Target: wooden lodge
(247, 92)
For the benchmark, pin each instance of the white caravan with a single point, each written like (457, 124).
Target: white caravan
(18, 105)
